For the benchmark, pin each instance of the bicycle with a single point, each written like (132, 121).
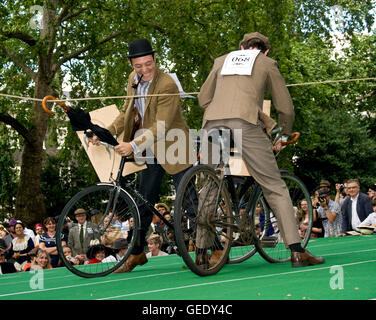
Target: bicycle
(111, 202)
(209, 236)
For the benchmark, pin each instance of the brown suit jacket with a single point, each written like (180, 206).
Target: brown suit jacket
(166, 110)
(235, 96)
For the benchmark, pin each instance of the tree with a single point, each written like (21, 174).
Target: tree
(88, 40)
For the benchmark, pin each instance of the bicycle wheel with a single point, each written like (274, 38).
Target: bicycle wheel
(203, 220)
(243, 247)
(104, 205)
(270, 244)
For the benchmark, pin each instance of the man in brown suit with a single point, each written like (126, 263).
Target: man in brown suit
(158, 116)
(233, 97)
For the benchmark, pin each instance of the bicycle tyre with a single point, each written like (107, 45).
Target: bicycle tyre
(203, 228)
(102, 233)
(269, 243)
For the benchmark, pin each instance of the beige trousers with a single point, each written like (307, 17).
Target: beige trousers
(261, 163)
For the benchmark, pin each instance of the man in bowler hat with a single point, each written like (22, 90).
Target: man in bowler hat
(158, 115)
(234, 97)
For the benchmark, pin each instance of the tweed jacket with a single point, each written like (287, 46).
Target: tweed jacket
(161, 115)
(241, 96)
(363, 208)
(91, 233)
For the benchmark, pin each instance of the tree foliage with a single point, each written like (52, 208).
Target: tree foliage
(84, 44)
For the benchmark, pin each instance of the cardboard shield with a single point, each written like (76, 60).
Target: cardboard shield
(104, 159)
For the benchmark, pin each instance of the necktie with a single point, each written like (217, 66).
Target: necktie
(82, 235)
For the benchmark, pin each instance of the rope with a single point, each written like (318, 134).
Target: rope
(173, 94)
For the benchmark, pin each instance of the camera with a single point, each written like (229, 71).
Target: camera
(322, 199)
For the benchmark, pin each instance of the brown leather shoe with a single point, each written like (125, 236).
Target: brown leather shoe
(202, 260)
(299, 259)
(215, 257)
(132, 261)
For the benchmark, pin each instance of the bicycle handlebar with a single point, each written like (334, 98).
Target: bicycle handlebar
(292, 138)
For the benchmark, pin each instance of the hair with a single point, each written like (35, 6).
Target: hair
(156, 239)
(353, 181)
(20, 223)
(373, 202)
(254, 43)
(39, 253)
(48, 220)
(150, 54)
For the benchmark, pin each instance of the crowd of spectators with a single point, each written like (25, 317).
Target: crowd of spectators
(345, 210)
(22, 249)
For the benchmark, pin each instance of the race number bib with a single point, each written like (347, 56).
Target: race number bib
(239, 62)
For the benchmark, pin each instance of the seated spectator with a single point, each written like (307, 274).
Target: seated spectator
(68, 255)
(20, 246)
(47, 241)
(120, 247)
(162, 208)
(154, 245)
(42, 261)
(38, 232)
(372, 192)
(356, 207)
(32, 254)
(96, 253)
(330, 213)
(5, 236)
(371, 219)
(112, 232)
(5, 266)
(317, 227)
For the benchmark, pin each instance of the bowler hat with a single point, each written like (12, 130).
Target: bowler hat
(120, 243)
(139, 47)
(257, 35)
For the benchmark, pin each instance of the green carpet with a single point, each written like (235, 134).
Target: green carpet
(349, 273)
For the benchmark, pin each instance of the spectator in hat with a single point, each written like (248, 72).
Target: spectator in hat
(20, 246)
(162, 208)
(48, 240)
(356, 207)
(5, 266)
(330, 214)
(81, 234)
(120, 247)
(150, 115)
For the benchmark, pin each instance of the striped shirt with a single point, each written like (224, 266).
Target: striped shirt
(139, 103)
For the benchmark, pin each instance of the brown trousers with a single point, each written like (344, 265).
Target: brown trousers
(261, 163)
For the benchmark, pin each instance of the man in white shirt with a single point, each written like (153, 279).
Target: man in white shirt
(356, 207)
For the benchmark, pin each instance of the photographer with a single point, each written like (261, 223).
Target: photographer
(341, 193)
(330, 213)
